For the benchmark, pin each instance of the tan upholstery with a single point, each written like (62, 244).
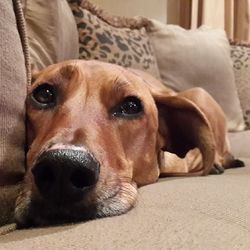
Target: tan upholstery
(12, 97)
(180, 213)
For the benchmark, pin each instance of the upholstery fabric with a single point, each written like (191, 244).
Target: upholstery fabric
(209, 212)
(52, 32)
(201, 57)
(240, 142)
(240, 55)
(114, 40)
(13, 85)
(12, 97)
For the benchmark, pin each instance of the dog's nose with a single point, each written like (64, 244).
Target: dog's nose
(64, 175)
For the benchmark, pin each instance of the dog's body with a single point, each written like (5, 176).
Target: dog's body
(96, 131)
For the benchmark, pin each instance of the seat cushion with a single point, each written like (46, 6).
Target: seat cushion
(209, 212)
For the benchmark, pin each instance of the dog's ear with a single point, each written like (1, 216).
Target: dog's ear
(183, 126)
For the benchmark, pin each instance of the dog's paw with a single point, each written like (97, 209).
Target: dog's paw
(217, 169)
(236, 163)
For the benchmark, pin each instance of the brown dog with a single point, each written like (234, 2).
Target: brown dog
(96, 131)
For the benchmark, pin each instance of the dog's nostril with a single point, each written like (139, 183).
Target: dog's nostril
(44, 176)
(82, 178)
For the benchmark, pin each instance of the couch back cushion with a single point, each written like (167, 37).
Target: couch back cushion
(13, 85)
(201, 57)
(12, 97)
(52, 32)
(118, 40)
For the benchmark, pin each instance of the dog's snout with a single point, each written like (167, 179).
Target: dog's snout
(65, 175)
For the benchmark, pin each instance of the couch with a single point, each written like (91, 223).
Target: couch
(211, 212)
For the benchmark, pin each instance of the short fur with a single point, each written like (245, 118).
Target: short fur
(180, 134)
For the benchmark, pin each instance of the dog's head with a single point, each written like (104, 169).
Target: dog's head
(95, 133)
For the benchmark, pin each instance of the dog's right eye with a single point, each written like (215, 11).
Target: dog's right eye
(130, 108)
(44, 95)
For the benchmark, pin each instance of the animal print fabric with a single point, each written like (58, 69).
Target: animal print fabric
(240, 55)
(117, 40)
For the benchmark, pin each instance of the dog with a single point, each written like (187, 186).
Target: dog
(97, 132)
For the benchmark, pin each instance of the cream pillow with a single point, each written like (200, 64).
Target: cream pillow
(52, 32)
(200, 57)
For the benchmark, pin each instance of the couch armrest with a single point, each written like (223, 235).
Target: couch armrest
(240, 54)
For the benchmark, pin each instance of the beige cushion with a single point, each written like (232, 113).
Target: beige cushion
(240, 143)
(210, 212)
(118, 40)
(12, 109)
(52, 32)
(241, 58)
(12, 97)
(201, 57)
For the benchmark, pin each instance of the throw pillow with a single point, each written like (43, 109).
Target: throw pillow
(240, 54)
(52, 32)
(117, 40)
(200, 57)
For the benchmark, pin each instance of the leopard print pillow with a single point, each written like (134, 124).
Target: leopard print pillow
(241, 59)
(117, 40)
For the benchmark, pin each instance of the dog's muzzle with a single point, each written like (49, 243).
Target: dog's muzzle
(65, 175)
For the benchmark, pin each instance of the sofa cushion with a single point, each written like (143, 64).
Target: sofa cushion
(201, 57)
(241, 57)
(13, 85)
(12, 97)
(52, 32)
(118, 40)
(209, 212)
(240, 143)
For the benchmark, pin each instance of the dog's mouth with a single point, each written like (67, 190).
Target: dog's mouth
(110, 201)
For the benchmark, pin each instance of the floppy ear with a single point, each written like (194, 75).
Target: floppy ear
(183, 126)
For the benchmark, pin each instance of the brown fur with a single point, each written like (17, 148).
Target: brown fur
(189, 126)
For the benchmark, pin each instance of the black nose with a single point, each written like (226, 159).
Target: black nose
(65, 175)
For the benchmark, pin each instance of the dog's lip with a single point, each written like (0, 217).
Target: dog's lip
(62, 214)
(40, 213)
(58, 215)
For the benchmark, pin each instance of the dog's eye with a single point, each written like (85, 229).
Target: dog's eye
(44, 95)
(131, 107)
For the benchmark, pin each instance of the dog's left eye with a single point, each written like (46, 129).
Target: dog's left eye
(44, 95)
(130, 107)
